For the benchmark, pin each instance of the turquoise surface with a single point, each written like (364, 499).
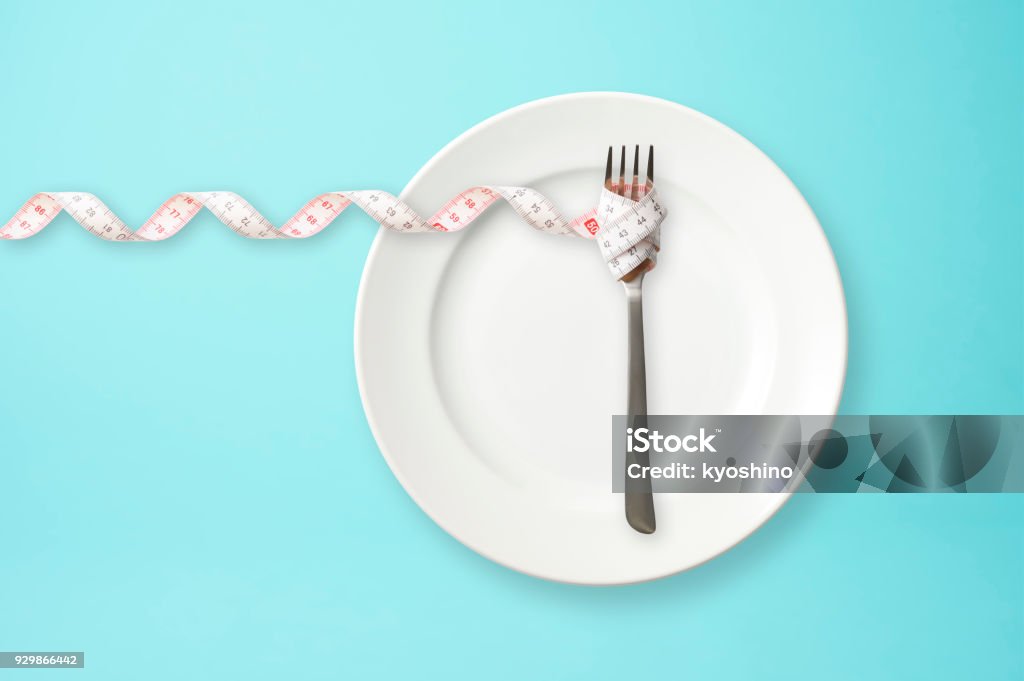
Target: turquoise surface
(188, 487)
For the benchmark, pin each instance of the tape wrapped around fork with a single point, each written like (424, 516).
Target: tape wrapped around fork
(630, 230)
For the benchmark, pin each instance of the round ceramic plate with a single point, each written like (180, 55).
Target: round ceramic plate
(490, 361)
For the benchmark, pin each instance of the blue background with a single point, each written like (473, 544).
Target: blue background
(187, 481)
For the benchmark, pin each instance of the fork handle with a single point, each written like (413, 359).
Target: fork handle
(639, 498)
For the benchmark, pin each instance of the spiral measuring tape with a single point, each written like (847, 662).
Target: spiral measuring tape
(626, 231)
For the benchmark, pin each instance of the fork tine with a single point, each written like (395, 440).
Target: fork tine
(608, 172)
(634, 192)
(621, 188)
(650, 167)
(648, 186)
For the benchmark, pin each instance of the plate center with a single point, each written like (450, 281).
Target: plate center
(528, 339)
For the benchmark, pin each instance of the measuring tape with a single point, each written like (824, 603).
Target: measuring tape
(626, 231)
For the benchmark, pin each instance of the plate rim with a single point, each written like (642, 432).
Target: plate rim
(770, 510)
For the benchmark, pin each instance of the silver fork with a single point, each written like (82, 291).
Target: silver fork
(639, 498)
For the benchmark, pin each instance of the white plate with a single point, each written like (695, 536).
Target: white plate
(490, 361)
